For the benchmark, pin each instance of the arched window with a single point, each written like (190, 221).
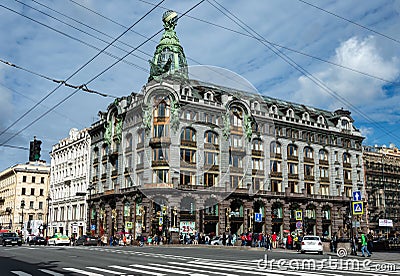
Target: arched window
(321, 120)
(346, 157)
(188, 134)
(275, 148)
(306, 116)
(141, 134)
(128, 141)
(323, 155)
(211, 137)
(292, 150)
(273, 110)
(257, 145)
(290, 113)
(308, 153)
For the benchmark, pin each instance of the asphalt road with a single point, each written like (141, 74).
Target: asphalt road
(183, 260)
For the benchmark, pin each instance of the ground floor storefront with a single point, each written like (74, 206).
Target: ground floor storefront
(173, 214)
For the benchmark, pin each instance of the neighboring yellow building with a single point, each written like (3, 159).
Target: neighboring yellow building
(29, 183)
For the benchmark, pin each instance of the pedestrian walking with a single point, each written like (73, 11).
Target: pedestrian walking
(364, 246)
(274, 238)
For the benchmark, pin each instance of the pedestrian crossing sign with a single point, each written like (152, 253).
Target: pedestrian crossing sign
(358, 207)
(299, 215)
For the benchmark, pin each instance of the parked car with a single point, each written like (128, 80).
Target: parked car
(312, 244)
(86, 240)
(37, 240)
(58, 239)
(10, 238)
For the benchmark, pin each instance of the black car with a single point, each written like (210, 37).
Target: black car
(86, 240)
(37, 241)
(10, 238)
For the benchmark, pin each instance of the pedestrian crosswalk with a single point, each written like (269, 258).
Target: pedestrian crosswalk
(212, 267)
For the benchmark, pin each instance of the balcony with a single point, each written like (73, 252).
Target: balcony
(157, 141)
(257, 152)
(276, 174)
(211, 146)
(103, 176)
(309, 178)
(347, 165)
(114, 173)
(257, 172)
(210, 167)
(324, 179)
(324, 162)
(276, 155)
(187, 143)
(95, 160)
(159, 163)
(190, 165)
(293, 176)
(236, 170)
(308, 160)
(293, 158)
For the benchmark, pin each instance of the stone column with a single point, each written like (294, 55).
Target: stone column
(318, 220)
(268, 216)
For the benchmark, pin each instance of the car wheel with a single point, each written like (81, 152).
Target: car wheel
(20, 244)
(302, 251)
(320, 252)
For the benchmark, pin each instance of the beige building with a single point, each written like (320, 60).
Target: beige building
(382, 171)
(26, 183)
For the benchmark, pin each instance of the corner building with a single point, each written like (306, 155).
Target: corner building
(184, 156)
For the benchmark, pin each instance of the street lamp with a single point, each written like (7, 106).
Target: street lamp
(22, 219)
(47, 215)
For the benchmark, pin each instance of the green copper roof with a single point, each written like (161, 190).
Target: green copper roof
(169, 58)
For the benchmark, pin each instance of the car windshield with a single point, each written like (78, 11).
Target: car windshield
(8, 235)
(311, 238)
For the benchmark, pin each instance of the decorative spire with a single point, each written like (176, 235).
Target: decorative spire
(169, 58)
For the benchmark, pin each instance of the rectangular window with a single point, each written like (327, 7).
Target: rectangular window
(211, 158)
(40, 205)
(187, 178)
(32, 191)
(188, 155)
(236, 181)
(276, 186)
(161, 176)
(324, 189)
(236, 141)
(293, 168)
(161, 131)
(24, 178)
(160, 154)
(33, 179)
(31, 204)
(310, 188)
(294, 186)
(257, 183)
(41, 192)
(23, 192)
(308, 170)
(236, 161)
(324, 172)
(210, 179)
(42, 180)
(258, 164)
(276, 166)
(140, 157)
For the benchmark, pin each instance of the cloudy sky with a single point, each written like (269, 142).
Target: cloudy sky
(351, 48)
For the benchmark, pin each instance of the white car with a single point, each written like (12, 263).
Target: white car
(58, 239)
(312, 244)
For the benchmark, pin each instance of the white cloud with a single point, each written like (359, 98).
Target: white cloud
(356, 89)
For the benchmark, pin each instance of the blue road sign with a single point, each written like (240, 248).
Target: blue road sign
(357, 196)
(358, 207)
(257, 217)
(299, 224)
(93, 227)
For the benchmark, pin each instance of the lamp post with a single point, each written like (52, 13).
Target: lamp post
(47, 215)
(22, 218)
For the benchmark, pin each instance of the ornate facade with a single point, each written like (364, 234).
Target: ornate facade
(69, 184)
(382, 174)
(184, 156)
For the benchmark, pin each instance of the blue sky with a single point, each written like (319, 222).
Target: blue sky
(290, 23)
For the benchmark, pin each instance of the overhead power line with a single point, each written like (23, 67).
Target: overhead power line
(76, 72)
(102, 72)
(82, 87)
(295, 65)
(351, 21)
(279, 46)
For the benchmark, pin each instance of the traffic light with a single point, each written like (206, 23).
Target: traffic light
(164, 210)
(34, 150)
